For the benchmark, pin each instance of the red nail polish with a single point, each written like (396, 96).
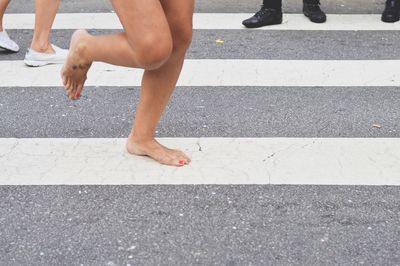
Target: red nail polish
(181, 162)
(78, 94)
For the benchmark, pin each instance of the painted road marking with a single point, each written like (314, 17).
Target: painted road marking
(224, 72)
(231, 21)
(322, 161)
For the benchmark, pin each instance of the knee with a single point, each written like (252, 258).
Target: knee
(182, 37)
(153, 51)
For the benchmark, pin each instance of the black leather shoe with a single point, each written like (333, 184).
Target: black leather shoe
(312, 10)
(264, 17)
(392, 11)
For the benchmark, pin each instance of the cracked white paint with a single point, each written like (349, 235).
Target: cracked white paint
(224, 72)
(350, 22)
(335, 161)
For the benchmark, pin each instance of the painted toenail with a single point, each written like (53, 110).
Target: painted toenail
(181, 162)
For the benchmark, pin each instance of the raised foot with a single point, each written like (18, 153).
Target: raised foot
(74, 71)
(158, 152)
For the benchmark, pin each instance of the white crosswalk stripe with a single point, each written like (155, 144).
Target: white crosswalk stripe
(227, 72)
(339, 161)
(215, 161)
(211, 21)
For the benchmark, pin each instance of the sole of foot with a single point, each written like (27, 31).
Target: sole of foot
(74, 71)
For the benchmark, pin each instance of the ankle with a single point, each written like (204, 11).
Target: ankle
(82, 49)
(138, 140)
(274, 7)
(42, 47)
(139, 146)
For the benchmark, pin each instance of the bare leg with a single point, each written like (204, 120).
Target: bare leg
(158, 85)
(3, 7)
(157, 44)
(146, 43)
(45, 13)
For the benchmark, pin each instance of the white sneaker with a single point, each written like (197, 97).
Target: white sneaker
(7, 43)
(35, 59)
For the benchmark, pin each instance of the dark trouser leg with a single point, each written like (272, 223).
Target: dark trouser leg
(274, 4)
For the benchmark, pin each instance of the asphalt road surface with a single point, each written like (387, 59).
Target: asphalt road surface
(209, 224)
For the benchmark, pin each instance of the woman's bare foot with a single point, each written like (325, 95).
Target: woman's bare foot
(77, 65)
(157, 151)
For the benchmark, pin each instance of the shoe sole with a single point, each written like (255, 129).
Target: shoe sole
(40, 63)
(313, 20)
(390, 20)
(318, 21)
(8, 49)
(262, 25)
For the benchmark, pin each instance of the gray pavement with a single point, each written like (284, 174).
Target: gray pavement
(250, 44)
(205, 112)
(200, 225)
(209, 225)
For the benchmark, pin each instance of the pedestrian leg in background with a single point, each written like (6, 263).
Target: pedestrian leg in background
(312, 10)
(42, 52)
(269, 14)
(5, 41)
(156, 36)
(392, 11)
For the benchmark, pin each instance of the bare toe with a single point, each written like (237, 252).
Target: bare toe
(183, 156)
(73, 91)
(78, 91)
(173, 160)
(67, 85)
(64, 79)
(69, 91)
